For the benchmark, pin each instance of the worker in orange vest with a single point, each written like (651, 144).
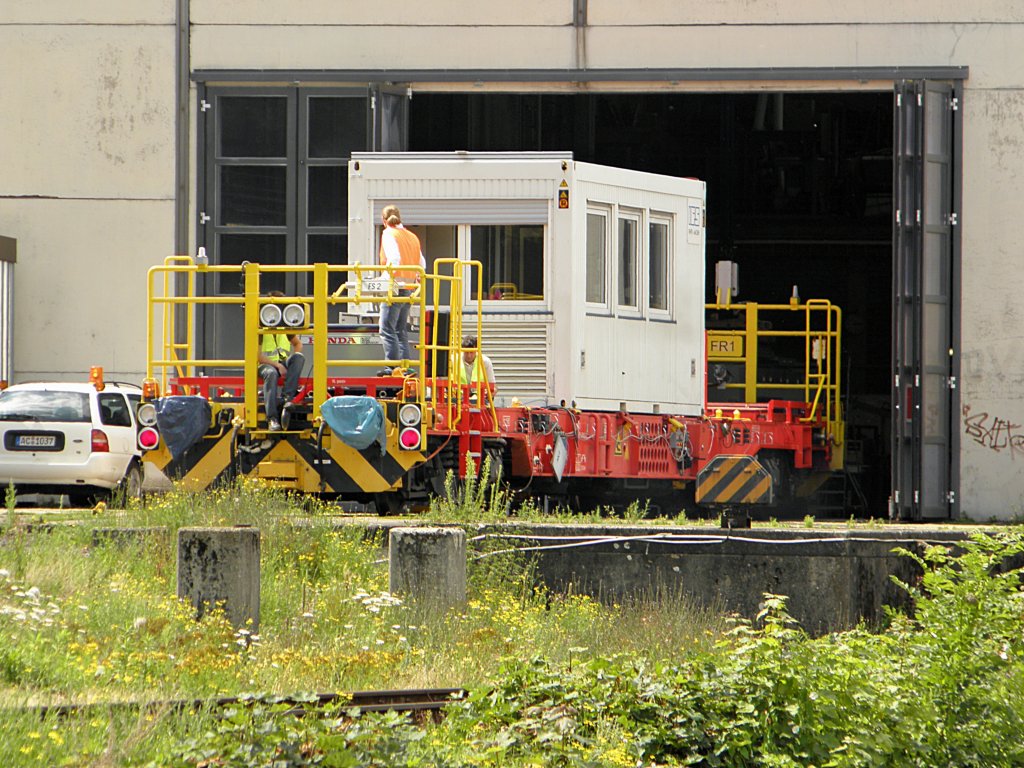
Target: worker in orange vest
(398, 248)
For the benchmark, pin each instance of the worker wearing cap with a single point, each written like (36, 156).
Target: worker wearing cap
(398, 248)
(476, 368)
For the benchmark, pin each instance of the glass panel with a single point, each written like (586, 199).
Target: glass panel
(252, 195)
(393, 121)
(935, 334)
(28, 405)
(627, 262)
(114, 410)
(935, 406)
(513, 261)
(934, 467)
(597, 278)
(328, 195)
(253, 126)
(328, 249)
(658, 266)
(935, 263)
(262, 249)
(337, 126)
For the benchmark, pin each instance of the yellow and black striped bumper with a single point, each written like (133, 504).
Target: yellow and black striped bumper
(293, 461)
(734, 480)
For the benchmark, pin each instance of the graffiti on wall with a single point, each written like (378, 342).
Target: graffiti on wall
(993, 432)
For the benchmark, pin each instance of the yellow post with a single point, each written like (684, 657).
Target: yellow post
(251, 306)
(750, 369)
(319, 322)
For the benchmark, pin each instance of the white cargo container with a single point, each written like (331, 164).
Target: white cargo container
(593, 277)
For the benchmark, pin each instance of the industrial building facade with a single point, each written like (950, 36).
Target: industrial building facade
(870, 155)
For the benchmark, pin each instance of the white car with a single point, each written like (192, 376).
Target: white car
(69, 438)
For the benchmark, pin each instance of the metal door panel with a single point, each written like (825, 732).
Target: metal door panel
(922, 305)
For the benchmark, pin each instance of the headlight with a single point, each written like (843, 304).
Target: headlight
(294, 315)
(409, 415)
(146, 414)
(270, 315)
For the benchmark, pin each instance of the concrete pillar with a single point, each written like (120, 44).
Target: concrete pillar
(428, 565)
(221, 566)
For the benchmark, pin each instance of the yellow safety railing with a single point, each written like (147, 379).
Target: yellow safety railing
(816, 323)
(174, 302)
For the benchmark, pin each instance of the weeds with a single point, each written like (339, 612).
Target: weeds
(555, 679)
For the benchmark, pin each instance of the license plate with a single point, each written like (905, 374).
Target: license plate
(36, 441)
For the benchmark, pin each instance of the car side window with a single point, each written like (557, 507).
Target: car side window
(114, 410)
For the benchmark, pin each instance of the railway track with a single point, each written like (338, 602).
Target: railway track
(421, 702)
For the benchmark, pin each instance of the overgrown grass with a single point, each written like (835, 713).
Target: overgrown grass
(555, 680)
(91, 617)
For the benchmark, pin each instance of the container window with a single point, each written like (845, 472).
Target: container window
(512, 256)
(627, 265)
(658, 261)
(597, 257)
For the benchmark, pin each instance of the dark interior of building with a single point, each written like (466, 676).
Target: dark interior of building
(799, 194)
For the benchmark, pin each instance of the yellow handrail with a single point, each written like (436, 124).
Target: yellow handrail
(821, 333)
(173, 301)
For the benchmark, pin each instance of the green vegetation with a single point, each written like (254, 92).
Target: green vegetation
(554, 680)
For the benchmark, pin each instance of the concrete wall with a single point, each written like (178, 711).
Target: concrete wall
(87, 156)
(833, 578)
(86, 177)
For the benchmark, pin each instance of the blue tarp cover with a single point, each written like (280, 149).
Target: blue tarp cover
(357, 420)
(182, 421)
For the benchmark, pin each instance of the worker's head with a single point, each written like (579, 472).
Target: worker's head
(469, 345)
(391, 215)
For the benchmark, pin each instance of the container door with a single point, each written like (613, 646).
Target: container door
(922, 306)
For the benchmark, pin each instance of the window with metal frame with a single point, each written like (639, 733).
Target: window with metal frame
(627, 272)
(597, 257)
(276, 176)
(659, 264)
(512, 256)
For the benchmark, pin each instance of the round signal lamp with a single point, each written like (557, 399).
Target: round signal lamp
(146, 414)
(149, 439)
(409, 439)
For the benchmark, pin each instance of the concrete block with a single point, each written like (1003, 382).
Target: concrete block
(428, 565)
(221, 567)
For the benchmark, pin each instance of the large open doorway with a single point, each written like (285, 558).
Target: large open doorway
(800, 194)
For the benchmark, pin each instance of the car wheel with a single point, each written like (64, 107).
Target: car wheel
(130, 486)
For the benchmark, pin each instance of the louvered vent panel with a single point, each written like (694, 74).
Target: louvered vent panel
(518, 349)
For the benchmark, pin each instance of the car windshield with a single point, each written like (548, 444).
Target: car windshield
(40, 405)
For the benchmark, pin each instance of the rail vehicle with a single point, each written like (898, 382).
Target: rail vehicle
(584, 284)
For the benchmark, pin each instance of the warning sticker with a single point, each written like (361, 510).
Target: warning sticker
(694, 222)
(563, 195)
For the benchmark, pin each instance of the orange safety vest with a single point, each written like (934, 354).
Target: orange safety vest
(408, 252)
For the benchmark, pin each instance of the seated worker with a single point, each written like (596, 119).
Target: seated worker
(476, 368)
(280, 355)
